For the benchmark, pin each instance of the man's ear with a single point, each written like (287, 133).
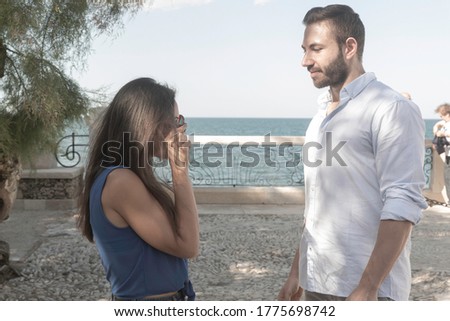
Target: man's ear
(351, 48)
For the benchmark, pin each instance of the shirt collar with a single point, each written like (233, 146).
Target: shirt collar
(324, 99)
(348, 92)
(357, 85)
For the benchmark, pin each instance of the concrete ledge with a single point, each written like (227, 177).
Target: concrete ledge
(250, 209)
(42, 204)
(440, 197)
(56, 173)
(249, 194)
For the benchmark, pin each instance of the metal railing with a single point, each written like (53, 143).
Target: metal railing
(68, 153)
(231, 160)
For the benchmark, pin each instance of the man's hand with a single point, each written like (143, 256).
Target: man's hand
(361, 294)
(291, 290)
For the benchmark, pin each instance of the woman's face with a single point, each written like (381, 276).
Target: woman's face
(168, 134)
(445, 117)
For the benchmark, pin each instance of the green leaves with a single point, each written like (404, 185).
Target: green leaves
(39, 41)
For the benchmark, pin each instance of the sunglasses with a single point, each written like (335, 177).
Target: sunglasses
(179, 121)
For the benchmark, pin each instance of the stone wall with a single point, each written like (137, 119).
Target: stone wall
(54, 188)
(50, 188)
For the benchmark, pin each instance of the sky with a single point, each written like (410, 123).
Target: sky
(242, 58)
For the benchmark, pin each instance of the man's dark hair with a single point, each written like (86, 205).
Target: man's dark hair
(345, 21)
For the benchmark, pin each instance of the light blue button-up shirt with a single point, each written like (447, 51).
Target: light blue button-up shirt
(363, 164)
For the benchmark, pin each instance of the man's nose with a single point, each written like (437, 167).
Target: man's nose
(306, 60)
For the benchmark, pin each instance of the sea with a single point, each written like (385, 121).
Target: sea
(246, 126)
(241, 166)
(262, 126)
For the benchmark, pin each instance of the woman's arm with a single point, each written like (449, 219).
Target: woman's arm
(185, 204)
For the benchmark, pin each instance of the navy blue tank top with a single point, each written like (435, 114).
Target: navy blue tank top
(133, 267)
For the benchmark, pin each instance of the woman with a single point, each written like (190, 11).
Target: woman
(441, 142)
(144, 230)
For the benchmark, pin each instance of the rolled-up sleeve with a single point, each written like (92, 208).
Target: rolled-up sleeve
(399, 147)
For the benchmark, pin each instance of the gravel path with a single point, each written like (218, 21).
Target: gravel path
(244, 256)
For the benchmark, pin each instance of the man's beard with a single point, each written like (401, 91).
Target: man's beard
(334, 74)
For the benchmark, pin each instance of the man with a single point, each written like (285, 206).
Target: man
(363, 191)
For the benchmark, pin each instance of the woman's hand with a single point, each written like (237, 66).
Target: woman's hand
(440, 133)
(178, 147)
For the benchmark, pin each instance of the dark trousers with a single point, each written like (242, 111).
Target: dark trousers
(179, 296)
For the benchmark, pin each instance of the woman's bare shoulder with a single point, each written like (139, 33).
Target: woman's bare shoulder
(123, 184)
(123, 173)
(123, 180)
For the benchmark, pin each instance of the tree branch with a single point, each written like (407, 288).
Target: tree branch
(2, 58)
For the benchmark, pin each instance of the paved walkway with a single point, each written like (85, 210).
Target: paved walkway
(246, 252)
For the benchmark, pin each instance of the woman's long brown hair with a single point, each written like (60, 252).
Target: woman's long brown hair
(128, 133)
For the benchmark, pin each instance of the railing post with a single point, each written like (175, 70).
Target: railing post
(436, 189)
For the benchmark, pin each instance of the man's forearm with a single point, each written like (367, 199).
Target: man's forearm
(295, 265)
(392, 237)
